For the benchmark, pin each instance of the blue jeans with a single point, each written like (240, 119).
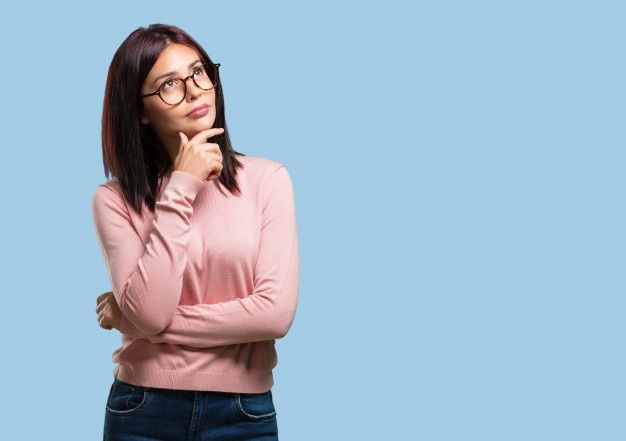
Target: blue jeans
(139, 413)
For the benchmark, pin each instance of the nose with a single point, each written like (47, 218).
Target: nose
(192, 89)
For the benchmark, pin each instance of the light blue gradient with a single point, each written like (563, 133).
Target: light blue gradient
(459, 178)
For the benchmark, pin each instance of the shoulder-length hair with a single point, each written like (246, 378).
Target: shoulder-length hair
(132, 153)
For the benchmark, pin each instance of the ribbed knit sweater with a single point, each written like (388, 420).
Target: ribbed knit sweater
(207, 282)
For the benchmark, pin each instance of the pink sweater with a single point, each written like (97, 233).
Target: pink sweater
(207, 282)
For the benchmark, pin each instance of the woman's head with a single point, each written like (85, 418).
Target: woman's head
(140, 133)
(168, 100)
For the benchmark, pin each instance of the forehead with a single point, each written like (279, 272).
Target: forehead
(174, 58)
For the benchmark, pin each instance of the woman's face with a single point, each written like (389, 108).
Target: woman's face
(167, 120)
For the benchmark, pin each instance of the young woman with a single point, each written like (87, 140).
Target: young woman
(201, 247)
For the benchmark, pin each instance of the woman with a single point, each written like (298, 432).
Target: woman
(201, 247)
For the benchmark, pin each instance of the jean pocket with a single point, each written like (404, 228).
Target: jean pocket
(255, 406)
(125, 398)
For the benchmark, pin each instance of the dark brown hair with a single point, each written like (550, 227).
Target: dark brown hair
(131, 152)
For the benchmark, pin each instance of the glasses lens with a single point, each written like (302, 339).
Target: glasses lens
(173, 91)
(205, 76)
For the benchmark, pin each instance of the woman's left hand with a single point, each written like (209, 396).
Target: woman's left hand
(109, 313)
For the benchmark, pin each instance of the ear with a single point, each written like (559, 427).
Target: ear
(144, 119)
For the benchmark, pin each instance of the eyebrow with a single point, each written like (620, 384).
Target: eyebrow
(172, 73)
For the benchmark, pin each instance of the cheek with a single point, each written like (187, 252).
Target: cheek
(163, 118)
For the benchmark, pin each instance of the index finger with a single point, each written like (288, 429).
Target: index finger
(204, 134)
(102, 296)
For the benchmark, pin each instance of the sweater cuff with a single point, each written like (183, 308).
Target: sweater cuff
(185, 181)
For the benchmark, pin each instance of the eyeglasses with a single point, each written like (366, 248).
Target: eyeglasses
(174, 90)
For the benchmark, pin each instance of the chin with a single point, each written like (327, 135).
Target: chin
(203, 124)
(197, 128)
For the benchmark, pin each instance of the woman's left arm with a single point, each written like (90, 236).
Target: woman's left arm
(268, 312)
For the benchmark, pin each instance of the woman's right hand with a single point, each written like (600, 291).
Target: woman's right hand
(200, 159)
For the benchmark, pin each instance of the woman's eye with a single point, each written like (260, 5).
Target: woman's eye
(168, 83)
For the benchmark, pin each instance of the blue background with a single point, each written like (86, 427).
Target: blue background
(459, 177)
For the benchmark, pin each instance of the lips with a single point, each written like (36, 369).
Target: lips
(201, 107)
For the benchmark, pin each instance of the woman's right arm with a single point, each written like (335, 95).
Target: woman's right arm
(147, 280)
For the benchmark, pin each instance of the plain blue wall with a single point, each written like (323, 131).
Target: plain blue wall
(459, 177)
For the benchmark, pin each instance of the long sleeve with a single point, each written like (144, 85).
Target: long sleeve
(266, 313)
(147, 280)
